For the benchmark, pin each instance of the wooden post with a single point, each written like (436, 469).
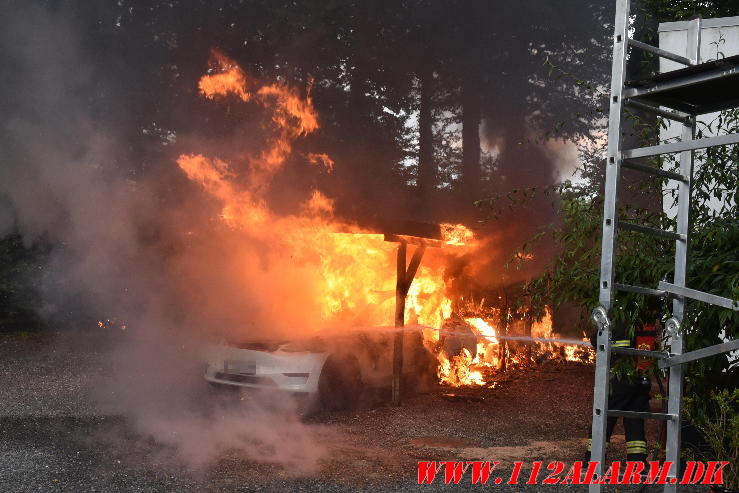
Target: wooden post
(402, 284)
(400, 293)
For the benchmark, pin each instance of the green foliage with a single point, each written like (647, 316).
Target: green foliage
(644, 261)
(682, 10)
(717, 418)
(713, 266)
(21, 269)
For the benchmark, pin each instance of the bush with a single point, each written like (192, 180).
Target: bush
(717, 418)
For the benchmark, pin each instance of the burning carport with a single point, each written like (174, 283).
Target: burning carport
(189, 196)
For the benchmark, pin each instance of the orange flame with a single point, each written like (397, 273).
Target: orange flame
(468, 369)
(459, 370)
(291, 115)
(351, 275)
(321, 160)
(348, 274)
(456, 234)
(521, 256)
(481, 327)
(228, 78)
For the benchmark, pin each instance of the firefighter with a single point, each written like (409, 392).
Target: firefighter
(631, 392)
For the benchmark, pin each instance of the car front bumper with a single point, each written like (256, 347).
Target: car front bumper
(279, 370)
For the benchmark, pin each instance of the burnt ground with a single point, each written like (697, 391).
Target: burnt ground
(53, 437)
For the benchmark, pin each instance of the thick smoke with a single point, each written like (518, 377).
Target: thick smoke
(123, 247)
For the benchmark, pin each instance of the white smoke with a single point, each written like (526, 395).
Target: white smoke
(117, 247)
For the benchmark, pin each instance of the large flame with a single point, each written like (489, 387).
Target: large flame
(356, 268)
(351, 272)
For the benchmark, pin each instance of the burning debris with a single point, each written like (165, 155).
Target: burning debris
(473, 353)
(112, 323)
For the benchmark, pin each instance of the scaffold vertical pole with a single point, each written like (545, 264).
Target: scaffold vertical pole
(608, 253)
(684, 198)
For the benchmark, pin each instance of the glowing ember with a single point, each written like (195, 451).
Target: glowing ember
(110, 323)
(523, 256)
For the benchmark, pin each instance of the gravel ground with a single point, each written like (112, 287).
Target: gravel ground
(53, 436)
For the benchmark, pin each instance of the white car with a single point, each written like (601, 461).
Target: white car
(331, 371)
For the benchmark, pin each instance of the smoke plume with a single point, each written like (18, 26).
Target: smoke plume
(127, 244)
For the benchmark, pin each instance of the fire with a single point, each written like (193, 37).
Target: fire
(543, 328)
(321, 160)
(521, 256)
(228, 78)
(459, 370)
(350, 271)
(482, 328)
(339, 274)
(475, 369)
(113, 322)
(456, 234)
(466, 368)
(293, 115)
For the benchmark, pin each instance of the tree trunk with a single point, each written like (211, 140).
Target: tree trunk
(470, 135)
(426, 165)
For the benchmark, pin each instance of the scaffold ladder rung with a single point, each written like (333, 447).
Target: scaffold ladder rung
(678, 116)
(691, 80)
(705, 352)
(683, 145)
(652, 231)
(638, 289)
(651, 170)
(660, 52)
(641, 415)
(699, 295)
(629, 351)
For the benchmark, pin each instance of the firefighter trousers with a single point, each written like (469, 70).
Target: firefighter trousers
(630, 396)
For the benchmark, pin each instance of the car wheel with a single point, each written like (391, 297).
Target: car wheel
(340, 384)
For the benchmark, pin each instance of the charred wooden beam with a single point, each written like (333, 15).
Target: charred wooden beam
(405, 228)
(414, 240)
(410, 274)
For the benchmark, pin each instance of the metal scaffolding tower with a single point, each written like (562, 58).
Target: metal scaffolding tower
(679, 95)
